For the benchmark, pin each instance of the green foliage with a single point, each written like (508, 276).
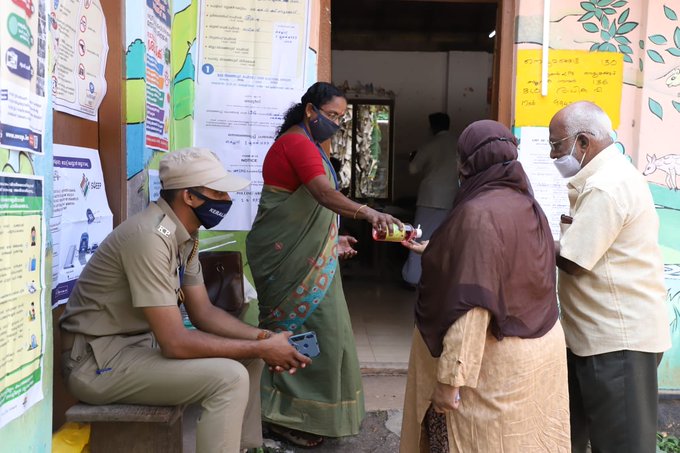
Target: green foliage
(667, 444)
(601, 17)
(655, 56)
(658, 39)
(655, 108)
(672, 49)
(609, 20)
(591, 28)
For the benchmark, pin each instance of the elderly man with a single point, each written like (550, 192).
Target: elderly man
(611, 287)
(123, 338)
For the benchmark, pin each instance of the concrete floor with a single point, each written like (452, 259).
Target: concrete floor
(379, 431)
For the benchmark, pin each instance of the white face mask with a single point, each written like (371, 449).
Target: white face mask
(568, 165)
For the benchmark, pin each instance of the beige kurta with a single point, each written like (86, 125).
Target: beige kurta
(514, 393)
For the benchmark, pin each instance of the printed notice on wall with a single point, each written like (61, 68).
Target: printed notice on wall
(22, 322)
(81, 217)
(80, 50)
(550, 188)
(23, 60)
(573, 75)
(250, 71)
(157, 125)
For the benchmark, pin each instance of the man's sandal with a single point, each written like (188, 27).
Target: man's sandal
(295, 437)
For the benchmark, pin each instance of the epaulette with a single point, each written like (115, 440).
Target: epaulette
(166, 227)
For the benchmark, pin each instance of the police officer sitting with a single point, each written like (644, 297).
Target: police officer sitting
(123, 338)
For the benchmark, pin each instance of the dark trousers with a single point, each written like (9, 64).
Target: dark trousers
(613, 400)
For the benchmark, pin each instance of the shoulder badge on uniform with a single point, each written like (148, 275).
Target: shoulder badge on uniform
(164, 231)
(166, 227)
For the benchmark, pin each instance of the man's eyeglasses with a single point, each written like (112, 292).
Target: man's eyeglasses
(553, 146)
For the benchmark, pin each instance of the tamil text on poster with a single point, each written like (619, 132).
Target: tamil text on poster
(23, 60)
(550, 188)
(22, 326)
(250, 71)
(157, 126)
(81, 217)
(80, 49)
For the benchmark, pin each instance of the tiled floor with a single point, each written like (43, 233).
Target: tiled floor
(382, 316)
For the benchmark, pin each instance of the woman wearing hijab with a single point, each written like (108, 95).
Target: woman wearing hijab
(487, 371)
(293, 249)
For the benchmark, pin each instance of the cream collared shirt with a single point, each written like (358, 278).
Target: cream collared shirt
(437, 162)
(620, 302)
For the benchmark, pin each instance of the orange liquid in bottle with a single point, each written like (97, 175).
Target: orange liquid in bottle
(396, 235)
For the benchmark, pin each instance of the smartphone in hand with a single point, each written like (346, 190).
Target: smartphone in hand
(306, 344)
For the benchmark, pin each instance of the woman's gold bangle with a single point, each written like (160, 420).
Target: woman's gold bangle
(357, 211)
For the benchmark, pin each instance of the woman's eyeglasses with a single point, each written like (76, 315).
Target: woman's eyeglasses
(335, 117)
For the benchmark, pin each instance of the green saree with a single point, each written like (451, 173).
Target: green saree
(293, 254)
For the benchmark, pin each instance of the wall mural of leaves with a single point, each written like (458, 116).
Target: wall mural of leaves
(656, 108)
(671, 49)
(609, 20)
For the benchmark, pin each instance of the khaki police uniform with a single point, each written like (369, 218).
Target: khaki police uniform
(110, 354)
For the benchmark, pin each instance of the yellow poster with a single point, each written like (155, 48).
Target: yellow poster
(573, 75)
(22, 325)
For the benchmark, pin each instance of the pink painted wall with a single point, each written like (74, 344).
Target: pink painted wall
(647, 32)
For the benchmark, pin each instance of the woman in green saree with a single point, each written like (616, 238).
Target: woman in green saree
(293, 250)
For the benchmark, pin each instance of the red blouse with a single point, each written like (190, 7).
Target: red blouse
(291, 161)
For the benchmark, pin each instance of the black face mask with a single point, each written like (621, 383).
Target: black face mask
(322, 128)
(212, 211)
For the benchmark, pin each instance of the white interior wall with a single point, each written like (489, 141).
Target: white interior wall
(423, 82)
(468, 76)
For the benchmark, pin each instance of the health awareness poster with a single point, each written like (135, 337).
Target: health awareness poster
(80, 48)
(81, 217)
(250, 71)
(157, 125)
(22, 321)
(23, 60)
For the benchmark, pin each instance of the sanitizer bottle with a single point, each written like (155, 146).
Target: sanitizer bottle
(396, 235)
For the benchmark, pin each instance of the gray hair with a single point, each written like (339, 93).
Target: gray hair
(588, 117)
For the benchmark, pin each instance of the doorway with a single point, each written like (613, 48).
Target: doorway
(428, 56)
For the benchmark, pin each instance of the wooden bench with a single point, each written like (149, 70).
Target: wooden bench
(131, 428)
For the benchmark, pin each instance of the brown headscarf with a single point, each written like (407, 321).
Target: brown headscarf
(495, 249)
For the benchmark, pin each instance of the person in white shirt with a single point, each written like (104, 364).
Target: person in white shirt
(611, 287)
(437, 162)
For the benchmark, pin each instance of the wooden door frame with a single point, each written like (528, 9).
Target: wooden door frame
(504, 63)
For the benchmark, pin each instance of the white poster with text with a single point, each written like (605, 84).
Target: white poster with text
(80, 47)
(81, 217)
(250, 71)
(550, 188)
